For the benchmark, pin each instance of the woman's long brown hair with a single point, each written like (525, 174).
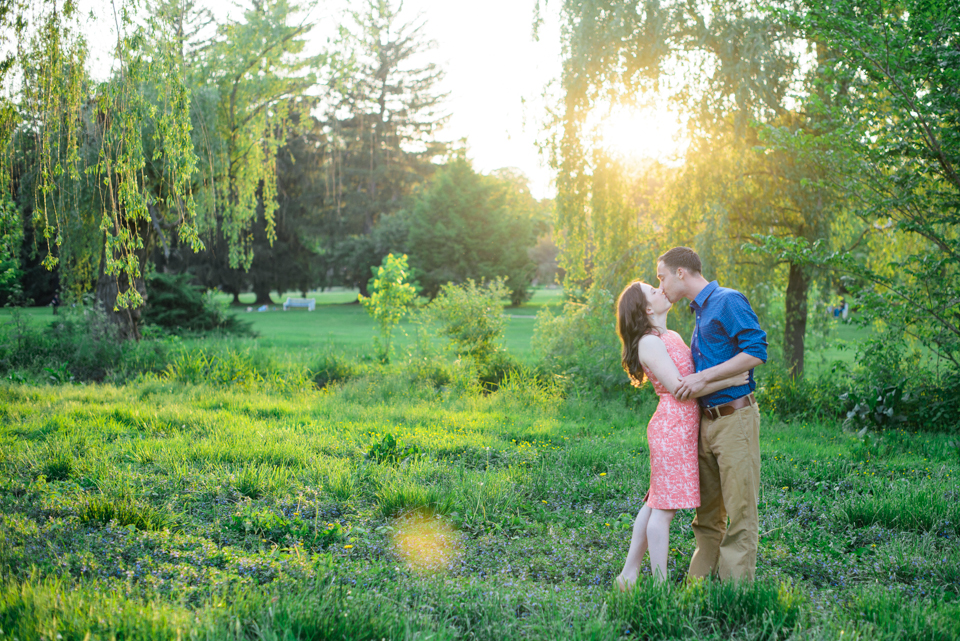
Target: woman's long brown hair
(632, 325)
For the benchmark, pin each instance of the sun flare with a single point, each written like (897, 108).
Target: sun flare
(642, 133)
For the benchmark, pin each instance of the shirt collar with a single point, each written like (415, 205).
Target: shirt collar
(704, 294)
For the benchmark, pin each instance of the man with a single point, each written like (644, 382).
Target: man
(727, 341)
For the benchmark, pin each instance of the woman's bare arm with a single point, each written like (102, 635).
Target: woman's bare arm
(654, 356)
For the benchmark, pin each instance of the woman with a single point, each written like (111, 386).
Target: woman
(652, 351)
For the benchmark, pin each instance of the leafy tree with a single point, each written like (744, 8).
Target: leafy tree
(389, 299)
(901, 159)
(741, 73)
(469, 226)
(259, 78)
(96, 146)
(117, 160)
(288, 261)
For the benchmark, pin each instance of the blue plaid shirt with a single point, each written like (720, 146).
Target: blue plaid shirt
(726, 325)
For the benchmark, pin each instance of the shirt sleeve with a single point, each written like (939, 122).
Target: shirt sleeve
(741, 323)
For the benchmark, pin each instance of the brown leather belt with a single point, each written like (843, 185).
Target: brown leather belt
(729, 408)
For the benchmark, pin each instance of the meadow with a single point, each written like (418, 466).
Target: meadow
(217, 500)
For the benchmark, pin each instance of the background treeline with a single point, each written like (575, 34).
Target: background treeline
(295, 168)
(822, 167)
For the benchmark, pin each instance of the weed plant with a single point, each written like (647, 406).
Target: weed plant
(197, 505)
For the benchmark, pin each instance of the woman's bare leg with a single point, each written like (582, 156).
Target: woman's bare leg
(658, 538)
(638, 546)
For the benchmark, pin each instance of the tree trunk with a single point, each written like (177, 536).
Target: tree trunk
(262, 290)
(236, 298)
(108, 287)
(795, 327)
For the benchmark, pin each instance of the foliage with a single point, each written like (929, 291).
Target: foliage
(391, 296)
(130, 133)
(887, 389)
(465, 225)
(580, 345)
(334, 367)
(389, 450)
(471, 316)
(898, 154)
(11, 239)
(755, 163)
(224, 365)
(792, 398)
(277, 528)
(381, 116)
(177, 305)
(81, 345)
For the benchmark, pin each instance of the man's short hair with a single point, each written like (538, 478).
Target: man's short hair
(682, 257)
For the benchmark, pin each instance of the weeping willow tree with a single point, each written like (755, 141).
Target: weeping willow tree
(741, 74)
(116, 161)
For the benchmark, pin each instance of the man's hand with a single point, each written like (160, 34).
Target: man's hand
(690, 386)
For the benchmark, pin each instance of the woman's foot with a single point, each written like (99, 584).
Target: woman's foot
(624, 584)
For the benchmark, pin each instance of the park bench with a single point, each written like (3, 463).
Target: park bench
(309, 303)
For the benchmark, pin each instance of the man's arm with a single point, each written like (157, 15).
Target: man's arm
(693, 385)
(654, 355)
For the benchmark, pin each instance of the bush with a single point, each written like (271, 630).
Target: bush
(808, 397)
(580, 345)
(335, 368)
(81, 345)
(179, 306)
(471, 316)
(497, 369)
(892, 388)
(888, 388)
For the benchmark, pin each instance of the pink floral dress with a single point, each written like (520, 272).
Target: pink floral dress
(672, 434)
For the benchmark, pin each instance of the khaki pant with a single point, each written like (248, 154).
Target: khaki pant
(729, 453)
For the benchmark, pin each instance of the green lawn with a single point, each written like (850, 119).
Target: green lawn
(162, 510)
(339, 320)
(225, 496)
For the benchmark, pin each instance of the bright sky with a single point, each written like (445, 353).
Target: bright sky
(496, 75)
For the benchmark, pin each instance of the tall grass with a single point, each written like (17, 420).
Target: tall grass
(132, 498)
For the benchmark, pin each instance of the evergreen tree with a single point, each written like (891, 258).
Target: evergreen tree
(469, 226)
(382, 116)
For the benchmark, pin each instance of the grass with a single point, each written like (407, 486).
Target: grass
(235, 495)
(162, 509)
(338, 321)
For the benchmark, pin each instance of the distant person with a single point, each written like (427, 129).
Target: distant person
(651, 351)
(55, 303)
(727, 341)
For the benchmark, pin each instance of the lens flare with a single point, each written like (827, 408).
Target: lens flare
(425, 543)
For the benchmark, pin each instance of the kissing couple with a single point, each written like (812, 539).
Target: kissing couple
(704, 437)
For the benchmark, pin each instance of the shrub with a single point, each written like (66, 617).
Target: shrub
(334, 368)
(808, 397)
(179, 306)
(498, 368)
(389, 299)
(580, 345)
(893, 388)
(471, 316)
